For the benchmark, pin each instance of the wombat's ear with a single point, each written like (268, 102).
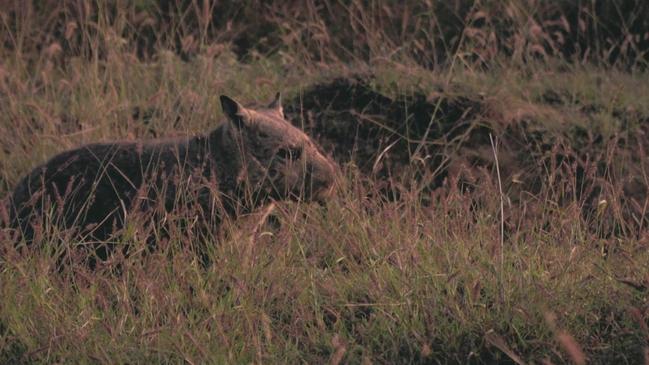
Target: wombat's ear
(234, 111)
(277, 103)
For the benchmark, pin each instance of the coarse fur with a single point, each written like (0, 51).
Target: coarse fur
(253, 157)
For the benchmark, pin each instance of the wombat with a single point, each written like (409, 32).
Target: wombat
(255, 156)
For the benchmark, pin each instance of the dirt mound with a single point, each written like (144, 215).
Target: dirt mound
(446, 138)
(392, 138)
(384, 135)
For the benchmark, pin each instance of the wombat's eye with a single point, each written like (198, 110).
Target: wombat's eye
(289, 153)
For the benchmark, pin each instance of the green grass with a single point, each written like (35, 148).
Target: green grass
(363, 279)
(388, 282)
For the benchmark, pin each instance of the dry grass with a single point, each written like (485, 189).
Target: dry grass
(556, 271)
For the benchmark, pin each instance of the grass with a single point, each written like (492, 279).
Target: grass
(365, 278)
(387, 282)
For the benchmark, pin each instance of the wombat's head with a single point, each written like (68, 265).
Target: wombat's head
(276, 159)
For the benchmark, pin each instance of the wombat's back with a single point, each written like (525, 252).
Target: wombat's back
(91, 188)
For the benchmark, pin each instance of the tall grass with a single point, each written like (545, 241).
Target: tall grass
(428, 33)
(429, 277)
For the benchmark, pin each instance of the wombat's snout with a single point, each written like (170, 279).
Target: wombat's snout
(323, 175)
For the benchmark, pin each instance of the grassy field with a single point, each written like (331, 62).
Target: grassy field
(492, 208)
